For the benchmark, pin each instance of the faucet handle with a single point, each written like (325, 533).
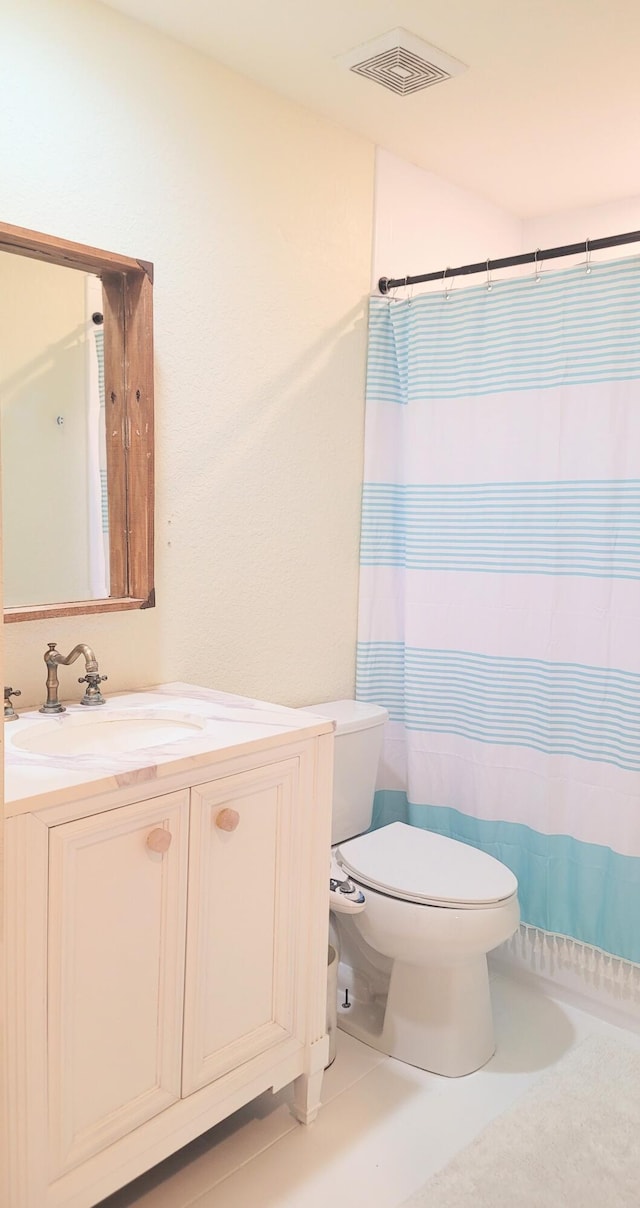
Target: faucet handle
(93, 695)
(9, 711)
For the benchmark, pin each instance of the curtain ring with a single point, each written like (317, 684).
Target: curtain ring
(588, 255)
(538, 266)
(447, 288)
(489, 281)
(410, 287)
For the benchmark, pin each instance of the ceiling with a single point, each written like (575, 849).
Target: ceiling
(545, 118)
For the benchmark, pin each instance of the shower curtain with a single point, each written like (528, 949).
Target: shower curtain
(97, 501)
(500, 583)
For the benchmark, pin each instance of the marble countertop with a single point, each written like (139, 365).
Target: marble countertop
(220, 724)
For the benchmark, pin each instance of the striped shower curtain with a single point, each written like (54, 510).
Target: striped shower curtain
(97, 502)
(500, 583)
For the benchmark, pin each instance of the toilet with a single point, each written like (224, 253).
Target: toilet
(414, 915)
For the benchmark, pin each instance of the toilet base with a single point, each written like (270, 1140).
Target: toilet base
(437, 1017)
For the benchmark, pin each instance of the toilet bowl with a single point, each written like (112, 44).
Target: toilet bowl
(434, 908)
(414, 914)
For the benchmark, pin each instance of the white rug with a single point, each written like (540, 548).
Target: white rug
(572, 1141)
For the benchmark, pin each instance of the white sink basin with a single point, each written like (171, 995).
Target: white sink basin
(106, 734)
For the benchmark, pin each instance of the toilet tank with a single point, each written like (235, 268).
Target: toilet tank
(358, 743)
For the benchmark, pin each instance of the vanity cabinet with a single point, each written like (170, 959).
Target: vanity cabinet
(115, 957)
(169, 964)
(244, 890)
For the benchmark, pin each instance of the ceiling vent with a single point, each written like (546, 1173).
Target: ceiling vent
(401, 62)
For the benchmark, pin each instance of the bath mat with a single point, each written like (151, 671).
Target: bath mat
(572, 1141)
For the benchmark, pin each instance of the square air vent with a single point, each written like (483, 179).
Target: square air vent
(401, 62)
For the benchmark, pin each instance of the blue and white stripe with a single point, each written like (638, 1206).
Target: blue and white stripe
(104, 489)
(500, 597)
(566, 330)
(568, 528)
(557, 708)
(99, 343)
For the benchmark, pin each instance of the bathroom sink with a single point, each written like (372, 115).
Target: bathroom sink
(108, 734)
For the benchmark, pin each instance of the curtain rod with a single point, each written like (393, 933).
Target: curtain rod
(487, 266)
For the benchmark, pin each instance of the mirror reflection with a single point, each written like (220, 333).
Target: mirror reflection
(52, 429)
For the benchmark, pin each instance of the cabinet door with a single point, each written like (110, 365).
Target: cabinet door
(241, 920)
(117, 906)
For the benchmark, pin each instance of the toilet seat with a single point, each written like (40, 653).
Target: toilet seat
(420, 866)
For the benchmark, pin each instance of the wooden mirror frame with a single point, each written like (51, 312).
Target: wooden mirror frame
(127, 287)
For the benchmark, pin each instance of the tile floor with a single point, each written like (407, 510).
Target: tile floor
(384, 1127)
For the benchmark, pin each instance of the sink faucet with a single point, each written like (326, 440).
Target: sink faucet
(92, 678)
(9, 711)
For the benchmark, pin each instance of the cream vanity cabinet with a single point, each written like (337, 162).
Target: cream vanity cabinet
(168, 957)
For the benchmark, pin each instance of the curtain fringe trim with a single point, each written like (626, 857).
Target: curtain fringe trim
(548, 953)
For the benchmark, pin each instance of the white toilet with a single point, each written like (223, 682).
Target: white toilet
(413, 979)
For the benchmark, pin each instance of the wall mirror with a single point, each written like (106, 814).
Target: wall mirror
(76, 427)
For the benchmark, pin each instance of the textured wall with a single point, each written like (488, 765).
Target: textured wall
(424, 223)
(257, 215)
(587, 222)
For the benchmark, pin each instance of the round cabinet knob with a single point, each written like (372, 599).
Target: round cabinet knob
(159, 840)
(227, 820)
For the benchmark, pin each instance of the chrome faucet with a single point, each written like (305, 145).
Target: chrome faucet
(92, 678)
(9, 711)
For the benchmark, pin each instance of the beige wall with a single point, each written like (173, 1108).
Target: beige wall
(424, 224)
(586, 222)
(257, 215)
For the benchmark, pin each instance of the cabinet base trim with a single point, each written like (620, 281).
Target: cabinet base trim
(170, 1131)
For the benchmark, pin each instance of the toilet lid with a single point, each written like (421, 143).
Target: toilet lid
(420, 866)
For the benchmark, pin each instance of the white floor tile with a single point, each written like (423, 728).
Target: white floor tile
(384, 1127)
(353, 1061)
(353, 1149)
(187, 1174)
